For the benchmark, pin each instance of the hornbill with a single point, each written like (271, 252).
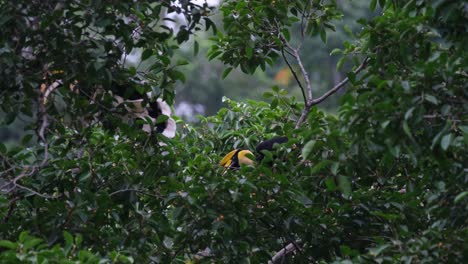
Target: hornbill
(235, 158)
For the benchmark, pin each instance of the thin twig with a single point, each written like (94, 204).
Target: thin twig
(134, 190)
(279, 256)
(295, 54)
(34, 192)
(11, 206)
(304, 74)
(294, 74)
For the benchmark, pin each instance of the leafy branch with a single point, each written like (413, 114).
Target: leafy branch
(28, 171)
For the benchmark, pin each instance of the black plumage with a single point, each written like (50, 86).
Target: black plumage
(268, 145)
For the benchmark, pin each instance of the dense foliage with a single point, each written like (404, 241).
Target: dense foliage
(384, 180)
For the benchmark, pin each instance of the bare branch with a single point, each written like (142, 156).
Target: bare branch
(295, 53)
(294, 74)
(312, 102)
(303, 116)
(35, 193)
(42, 115)
(340, 84)
(30, 170)
(304, 74)
(279, 256)
(134, 190)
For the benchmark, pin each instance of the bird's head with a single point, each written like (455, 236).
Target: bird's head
(237, 157)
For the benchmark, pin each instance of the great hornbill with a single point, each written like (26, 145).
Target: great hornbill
(235, 158)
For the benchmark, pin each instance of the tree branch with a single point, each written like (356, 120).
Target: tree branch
(30, 170)
(294, 74)
(312, 102)
(279, 256)
(340, 84)
(304, 73)
(135, 190)
(295, 53)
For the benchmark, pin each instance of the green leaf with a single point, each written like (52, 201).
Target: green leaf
(334, 168)
(146, 54)
(377, 250)
(340, 63)
(460, 196)
(436, 139)
(382, 3)
(344, 185)
(274, 103)
(78, 240)
(3, 148)
(330, 183)
(304, 200)
(226, 72)
(248, 52)
(349, 31)
(384, 124)
(182, 62)
(431, 99)
(10, 118)
(31, 243)
(182, 35)
(177, 75)
(409, 113)
(336, 51)
(267, 95)
(323, 35)
(212, 55)
(307, 149)
(84, 175)
(26, 139)
(320, 166)
(23, 236)
(446, 140)
(464, 129)
(407, 130)
(286, 34)
(8, 244)
(68, 239)
(4, 18)
(196, 48)
(161, 119)
(373, 4)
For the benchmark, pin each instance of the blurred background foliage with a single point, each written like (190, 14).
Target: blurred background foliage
(204, 85)
(377, 174)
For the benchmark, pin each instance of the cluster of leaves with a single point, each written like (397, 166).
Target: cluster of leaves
(407, 120)
(89, 42)
(253, 30)
(32, 249)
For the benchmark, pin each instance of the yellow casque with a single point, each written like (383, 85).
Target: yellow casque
(235, 158)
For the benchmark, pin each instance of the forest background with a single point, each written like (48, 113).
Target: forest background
(371, 95)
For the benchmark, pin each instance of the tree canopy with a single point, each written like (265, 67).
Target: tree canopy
(383, 180)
